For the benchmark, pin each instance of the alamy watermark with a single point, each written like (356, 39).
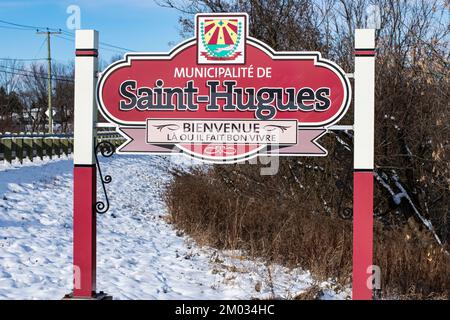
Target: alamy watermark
(373, 17)
(374, 279)
(73, 21)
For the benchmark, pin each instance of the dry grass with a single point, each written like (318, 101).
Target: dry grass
(312, 293)
(285, 231)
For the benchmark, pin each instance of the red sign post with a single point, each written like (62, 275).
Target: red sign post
(221, 97)
(84, 173)
(363, 158)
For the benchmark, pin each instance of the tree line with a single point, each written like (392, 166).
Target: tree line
(24, 96)
(304, 210)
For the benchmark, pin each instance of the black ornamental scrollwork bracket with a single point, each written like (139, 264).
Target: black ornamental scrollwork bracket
(107, 149)
(344, 212)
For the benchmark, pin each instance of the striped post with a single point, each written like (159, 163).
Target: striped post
(7, 149)
(40, 147)
(19, 148)
(84, 175)
(363, 163)
(29, 148)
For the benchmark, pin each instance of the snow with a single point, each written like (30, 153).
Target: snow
(139, 254)
(403, 194)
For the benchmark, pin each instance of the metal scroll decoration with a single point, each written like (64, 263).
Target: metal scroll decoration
(107, 149)
(343, 211)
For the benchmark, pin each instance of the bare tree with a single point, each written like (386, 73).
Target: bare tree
(63, 96)
(412, 89)
(10, 108)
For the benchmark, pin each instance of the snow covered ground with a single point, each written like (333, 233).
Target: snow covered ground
(139, 255)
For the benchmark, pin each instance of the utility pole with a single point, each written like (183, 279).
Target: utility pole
(49, 77)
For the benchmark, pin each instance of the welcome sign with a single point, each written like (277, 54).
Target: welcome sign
(223, 96)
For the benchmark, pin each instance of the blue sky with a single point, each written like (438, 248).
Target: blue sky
(140, 25)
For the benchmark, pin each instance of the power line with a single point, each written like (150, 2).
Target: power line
(14, 28)
(102, 45)
(71, 34)
(34, 76)
(24, 25)
(40, 48)
(32, 72)
(19, 59)
(116, 47)
(67, 33)
(62, 37)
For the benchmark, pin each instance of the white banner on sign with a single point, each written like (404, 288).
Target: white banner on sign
(280, 132)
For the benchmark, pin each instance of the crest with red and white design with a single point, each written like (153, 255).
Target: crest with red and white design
(221, 39)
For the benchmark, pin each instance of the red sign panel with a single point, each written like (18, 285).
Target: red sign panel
(223, 96)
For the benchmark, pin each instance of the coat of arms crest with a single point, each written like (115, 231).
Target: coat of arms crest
(221, 38)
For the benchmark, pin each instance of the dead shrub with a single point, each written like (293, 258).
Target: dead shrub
(287, 230)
